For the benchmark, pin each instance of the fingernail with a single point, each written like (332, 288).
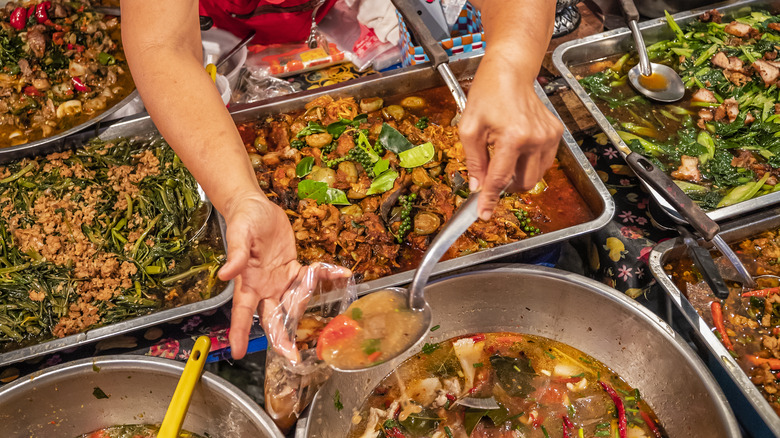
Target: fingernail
(473, 184)
(485, 214)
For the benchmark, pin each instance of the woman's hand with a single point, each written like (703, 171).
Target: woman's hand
(262, 259)
(505, 114)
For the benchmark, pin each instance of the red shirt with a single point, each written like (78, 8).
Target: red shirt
(275, 21)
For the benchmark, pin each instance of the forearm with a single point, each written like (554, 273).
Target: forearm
(186, 106)
(518, 32)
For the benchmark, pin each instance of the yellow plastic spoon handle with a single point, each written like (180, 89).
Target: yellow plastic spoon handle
(211, 69)
(177, 409)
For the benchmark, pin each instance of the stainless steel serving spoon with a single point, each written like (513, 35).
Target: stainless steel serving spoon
(656, 81)
(200, 217)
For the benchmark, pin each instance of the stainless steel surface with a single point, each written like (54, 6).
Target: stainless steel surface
(224, 58)
(569, 308)
(748, 402)
(573, 161)
(674, 91)
(140, 125)
(619, 41)
(454, 228)
(639, 42)
(58, 402)
(725, 249)
(452, 83)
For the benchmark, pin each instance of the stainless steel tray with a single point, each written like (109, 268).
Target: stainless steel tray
(141, 127)
(573, 161)
(38, 146)
(619, 41)
(749, 405)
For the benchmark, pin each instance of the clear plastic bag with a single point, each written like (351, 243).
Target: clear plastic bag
(293, 371)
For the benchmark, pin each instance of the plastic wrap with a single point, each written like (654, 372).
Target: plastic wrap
(293, 372)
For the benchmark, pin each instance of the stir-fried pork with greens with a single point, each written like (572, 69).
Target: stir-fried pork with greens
(748, 321)
(543, 389)
(61, 63)
(98, 235)
(721, 143)
(368, 184)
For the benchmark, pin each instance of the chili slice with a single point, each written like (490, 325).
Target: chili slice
(568, 427)
(774, 364)
(621, 409)
(761, 293)
(720, 326)
(650, 423)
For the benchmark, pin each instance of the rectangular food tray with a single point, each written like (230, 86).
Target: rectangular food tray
(619, 41)
(753, 411)
(140, 126)
(417, 78)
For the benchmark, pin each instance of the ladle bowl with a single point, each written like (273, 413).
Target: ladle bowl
(663, 84)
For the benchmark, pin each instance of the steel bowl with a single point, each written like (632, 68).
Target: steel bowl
(569, 308)
(60, 402)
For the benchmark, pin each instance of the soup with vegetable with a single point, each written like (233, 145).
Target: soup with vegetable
(133, 431)
(543, 389)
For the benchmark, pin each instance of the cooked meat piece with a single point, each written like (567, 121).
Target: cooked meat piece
(704, 95)
(736, 77)
(720, 60)
(720, 113)
(3, 107)
(24, 66)
(712, 15)
(37, 42)
(768, 72)
(770, 56)
(774, 26)
(705, 115)
(738, 29)
(731, 107)
(743, 159)
(749, 118)
(279, 137)
(344, 144)
(688, 170)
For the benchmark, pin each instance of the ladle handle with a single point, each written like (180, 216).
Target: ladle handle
(674, 195)
(432, 48)
(629, 10)
(454, 228)
(180, 402)
(644, 60)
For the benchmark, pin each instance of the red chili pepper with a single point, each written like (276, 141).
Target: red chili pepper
(374, 356)
(56, 38)
(622, 421)
(19, 18)
(32, 91)
(761, 293)
(40, 12)
(650, 423)
(720, 326)
(479, 337)
(568, 427)
(79, 48)
(776, 331)
(50, 23)
(79, 86)
(774, 364)
(394, 432)
(70, 46)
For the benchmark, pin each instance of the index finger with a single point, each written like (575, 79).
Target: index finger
(501, 171)
(241, 320)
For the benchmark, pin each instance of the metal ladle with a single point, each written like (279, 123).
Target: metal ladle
(656, 81)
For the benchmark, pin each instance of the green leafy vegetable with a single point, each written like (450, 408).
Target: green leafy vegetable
(393, 140)
(106, 58)
(304, 167)
(320, 192)
(381, 166)
(337, 128)
(429, 348)
(514, 374)
(337, 401)
(371, 346)
(417, 156)
(311, 128)
(421, 424)
(98, 393)
(383, 182)
(365, 145)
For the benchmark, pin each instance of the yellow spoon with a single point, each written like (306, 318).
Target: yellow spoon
(177, 409)
(211, 69)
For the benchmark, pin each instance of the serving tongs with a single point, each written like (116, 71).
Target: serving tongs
(702, 259)
(436, 54)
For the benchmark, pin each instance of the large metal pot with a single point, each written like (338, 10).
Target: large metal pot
(59, 402)
(571, 309)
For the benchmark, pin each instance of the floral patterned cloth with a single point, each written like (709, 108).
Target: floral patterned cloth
(618, 253)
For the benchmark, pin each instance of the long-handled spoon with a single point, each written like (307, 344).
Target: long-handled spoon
(656, 81)
(177, 409)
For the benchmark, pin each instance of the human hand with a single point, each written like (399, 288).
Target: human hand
(262, 259)
(504, 111)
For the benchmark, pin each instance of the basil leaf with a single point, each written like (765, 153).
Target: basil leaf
(393, 140)
(381, 166)
(337, 128)
(320, 192)
(364, 144)
(304, 167)
(311, 128)
(383, 182)
(417, 156)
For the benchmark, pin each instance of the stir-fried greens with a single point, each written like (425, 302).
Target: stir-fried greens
(543, 389)
(722, 142)
(747, 322)
(98, 235)
(368, 184)
(61, 63)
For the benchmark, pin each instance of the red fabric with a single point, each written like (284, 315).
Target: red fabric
(271, 28)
